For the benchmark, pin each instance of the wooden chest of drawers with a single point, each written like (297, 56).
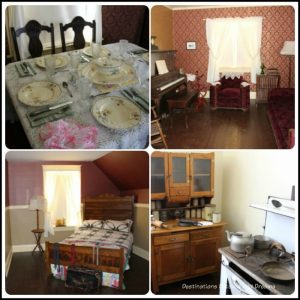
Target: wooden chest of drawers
(181, 254)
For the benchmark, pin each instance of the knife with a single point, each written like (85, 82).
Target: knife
(135, 102)
(139, 96)
(24, 68)
(137, 99)
(37, 112)
(44, 115)
(29, 67)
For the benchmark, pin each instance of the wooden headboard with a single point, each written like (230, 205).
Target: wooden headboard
(104, 207)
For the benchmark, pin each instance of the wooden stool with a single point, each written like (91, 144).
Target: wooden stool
(181, 102)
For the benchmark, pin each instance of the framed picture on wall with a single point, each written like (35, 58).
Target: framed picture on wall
(190, 45)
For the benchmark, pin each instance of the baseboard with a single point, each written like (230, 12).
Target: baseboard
(25, 248)
(8, 262)
(140, 252)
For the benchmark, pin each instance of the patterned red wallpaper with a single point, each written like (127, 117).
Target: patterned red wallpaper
(26, 179)
(278, 26)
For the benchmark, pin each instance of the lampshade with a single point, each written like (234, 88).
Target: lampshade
(37, 202)
(288, 48)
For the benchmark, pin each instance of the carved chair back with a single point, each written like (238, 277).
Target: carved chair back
(77, 24)
(33, 29)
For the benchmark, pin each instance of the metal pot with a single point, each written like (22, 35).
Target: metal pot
(262, 242)
(239, 241)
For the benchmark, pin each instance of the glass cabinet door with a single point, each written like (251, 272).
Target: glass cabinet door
(202, 174)
(158, 176)
(179, 169)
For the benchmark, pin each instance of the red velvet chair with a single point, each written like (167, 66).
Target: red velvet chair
(230, 93)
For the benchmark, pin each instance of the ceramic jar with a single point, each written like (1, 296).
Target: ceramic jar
(216, 217)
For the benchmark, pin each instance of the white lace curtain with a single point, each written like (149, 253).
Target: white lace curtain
(234, 46)
(62, 190)
(18, 15)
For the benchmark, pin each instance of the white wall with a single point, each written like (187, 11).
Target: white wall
(250, 177)
(217, 199)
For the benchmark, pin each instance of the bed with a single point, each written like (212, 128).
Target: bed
(110, 259)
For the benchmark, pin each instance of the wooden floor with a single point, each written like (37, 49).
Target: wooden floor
(27, 276)
(203, 285)
(221, 129)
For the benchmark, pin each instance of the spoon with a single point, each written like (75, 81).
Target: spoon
(65, 85)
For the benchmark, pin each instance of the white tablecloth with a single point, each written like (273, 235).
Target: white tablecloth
(133, 138)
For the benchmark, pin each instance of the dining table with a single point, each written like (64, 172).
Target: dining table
(55, 113)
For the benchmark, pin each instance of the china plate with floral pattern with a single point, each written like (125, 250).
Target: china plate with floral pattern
(116, 112)
(39, 93)
(103, 51)
(107, 80)
(60, 61)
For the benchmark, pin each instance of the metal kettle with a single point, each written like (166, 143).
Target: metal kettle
(239, 241)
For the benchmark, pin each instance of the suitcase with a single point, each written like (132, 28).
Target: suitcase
(83, 278)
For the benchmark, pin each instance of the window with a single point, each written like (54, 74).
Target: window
(234, 46)
(62, 190)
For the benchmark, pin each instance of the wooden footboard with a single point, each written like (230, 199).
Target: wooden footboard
(109, 260)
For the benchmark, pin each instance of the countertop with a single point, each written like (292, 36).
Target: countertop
(251, 266)
(173, 227)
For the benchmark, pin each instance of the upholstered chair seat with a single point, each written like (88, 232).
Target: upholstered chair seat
(230, 93)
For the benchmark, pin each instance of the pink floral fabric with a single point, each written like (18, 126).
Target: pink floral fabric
(65, 135)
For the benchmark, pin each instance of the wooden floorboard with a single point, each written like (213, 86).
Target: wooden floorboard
(27, 276)
(221, 129)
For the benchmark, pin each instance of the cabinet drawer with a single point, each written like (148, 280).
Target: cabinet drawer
(180, 191)
(206, 233)
(170, 239)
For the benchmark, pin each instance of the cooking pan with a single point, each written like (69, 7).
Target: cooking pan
(278, 271)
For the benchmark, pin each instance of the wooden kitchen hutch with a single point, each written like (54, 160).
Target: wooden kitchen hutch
(178, 252)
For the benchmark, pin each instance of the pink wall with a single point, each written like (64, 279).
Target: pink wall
(141, 195)
(26, 179)
(278, 26)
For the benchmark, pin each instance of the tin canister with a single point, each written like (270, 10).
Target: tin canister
(208, 211)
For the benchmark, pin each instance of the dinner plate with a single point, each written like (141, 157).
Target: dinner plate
(103, 51)
(116, 112)
(60, 61)
(109, 79)
(107, 63)
(39, 93)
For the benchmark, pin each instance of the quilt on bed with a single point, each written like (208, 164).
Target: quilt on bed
(100, 238)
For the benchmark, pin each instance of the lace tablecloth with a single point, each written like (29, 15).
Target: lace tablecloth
(136, 137)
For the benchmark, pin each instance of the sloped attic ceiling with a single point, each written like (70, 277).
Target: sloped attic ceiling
(128, 170)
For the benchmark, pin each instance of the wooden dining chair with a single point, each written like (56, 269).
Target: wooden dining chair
(33, 29)
(77, 24)
(157, 135)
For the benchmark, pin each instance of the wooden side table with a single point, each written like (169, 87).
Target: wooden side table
(265, 83)
(38, 234)
(181, 102)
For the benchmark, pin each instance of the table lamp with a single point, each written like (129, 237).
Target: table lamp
(288, 49)
(37, 203)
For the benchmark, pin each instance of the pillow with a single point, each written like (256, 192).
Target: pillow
(124, 225)
(92, 224)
